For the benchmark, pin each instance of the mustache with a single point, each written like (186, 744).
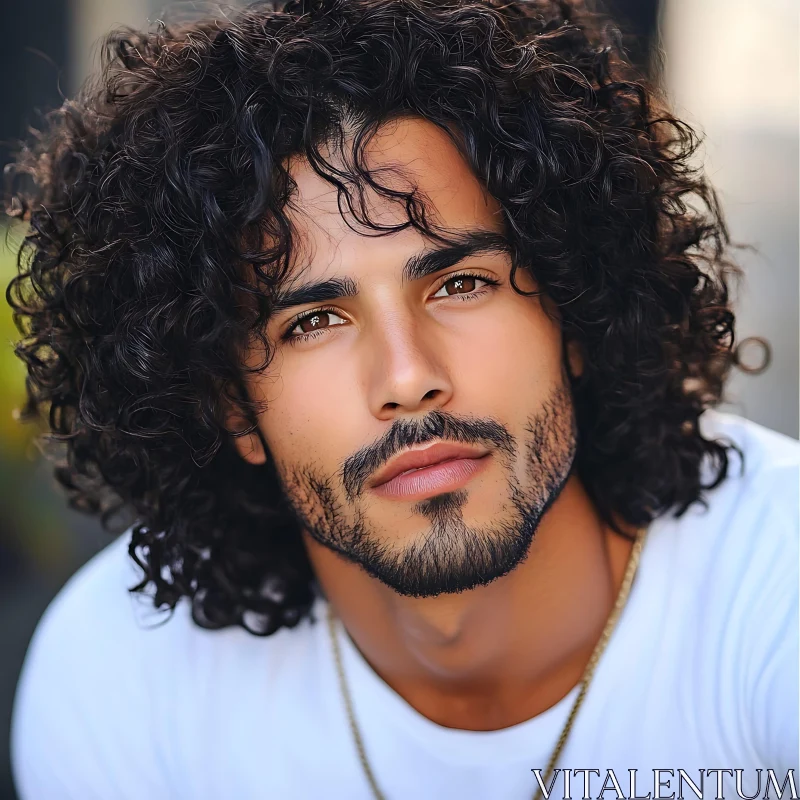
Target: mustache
(436, 425)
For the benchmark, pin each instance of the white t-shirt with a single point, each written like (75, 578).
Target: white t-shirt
(701, 673)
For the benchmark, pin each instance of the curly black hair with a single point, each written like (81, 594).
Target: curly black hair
(151, 196)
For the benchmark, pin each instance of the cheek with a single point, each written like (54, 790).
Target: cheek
(313, 406)
(509, 357)
(503, 361)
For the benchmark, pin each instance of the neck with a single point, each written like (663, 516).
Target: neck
(499, 654)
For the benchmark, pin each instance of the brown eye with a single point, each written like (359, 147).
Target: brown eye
(460, 285)
(316, 321)
(319, 319)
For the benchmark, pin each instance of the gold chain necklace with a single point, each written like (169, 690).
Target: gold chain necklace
(622, 597)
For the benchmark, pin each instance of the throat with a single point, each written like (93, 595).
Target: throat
(498, 654)
(470, 673)
(440, 623)
(493, 708)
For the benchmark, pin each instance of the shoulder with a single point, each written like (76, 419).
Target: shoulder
(750, 523)
(750, 520)
(758, 504)
(110, 686)
(766, 453)
(94, 622)
(82, 687)
(736, 565)
(759, 500)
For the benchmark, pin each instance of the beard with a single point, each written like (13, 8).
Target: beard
(450, 556)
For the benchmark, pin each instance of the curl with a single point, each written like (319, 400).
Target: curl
(150, 197)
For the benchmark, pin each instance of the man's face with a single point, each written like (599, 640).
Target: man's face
(420, 421)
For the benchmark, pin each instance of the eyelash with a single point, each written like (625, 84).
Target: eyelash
(305, 337)
(470, 295)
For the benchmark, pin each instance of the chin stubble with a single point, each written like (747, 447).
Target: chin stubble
(450, 556)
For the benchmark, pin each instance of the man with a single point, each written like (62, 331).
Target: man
(397, 328)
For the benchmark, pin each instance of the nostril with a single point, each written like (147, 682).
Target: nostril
(430, 395)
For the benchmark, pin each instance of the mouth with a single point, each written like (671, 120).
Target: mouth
(417, 474)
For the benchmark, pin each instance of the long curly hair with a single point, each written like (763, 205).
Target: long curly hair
(150, 198)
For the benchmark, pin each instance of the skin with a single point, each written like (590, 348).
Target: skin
(496, 654)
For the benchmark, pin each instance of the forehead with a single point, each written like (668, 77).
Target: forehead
(404, 154)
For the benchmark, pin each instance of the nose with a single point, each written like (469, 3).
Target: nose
(408, 372)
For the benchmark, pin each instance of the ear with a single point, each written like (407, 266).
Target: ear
(573, 353)
(251, 447)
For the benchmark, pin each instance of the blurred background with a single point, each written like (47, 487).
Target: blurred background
(731, 70)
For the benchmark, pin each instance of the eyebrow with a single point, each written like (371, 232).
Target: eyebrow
(432, 261)
(418, 266)
(318, 292)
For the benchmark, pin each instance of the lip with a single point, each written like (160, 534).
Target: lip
(437, 468)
